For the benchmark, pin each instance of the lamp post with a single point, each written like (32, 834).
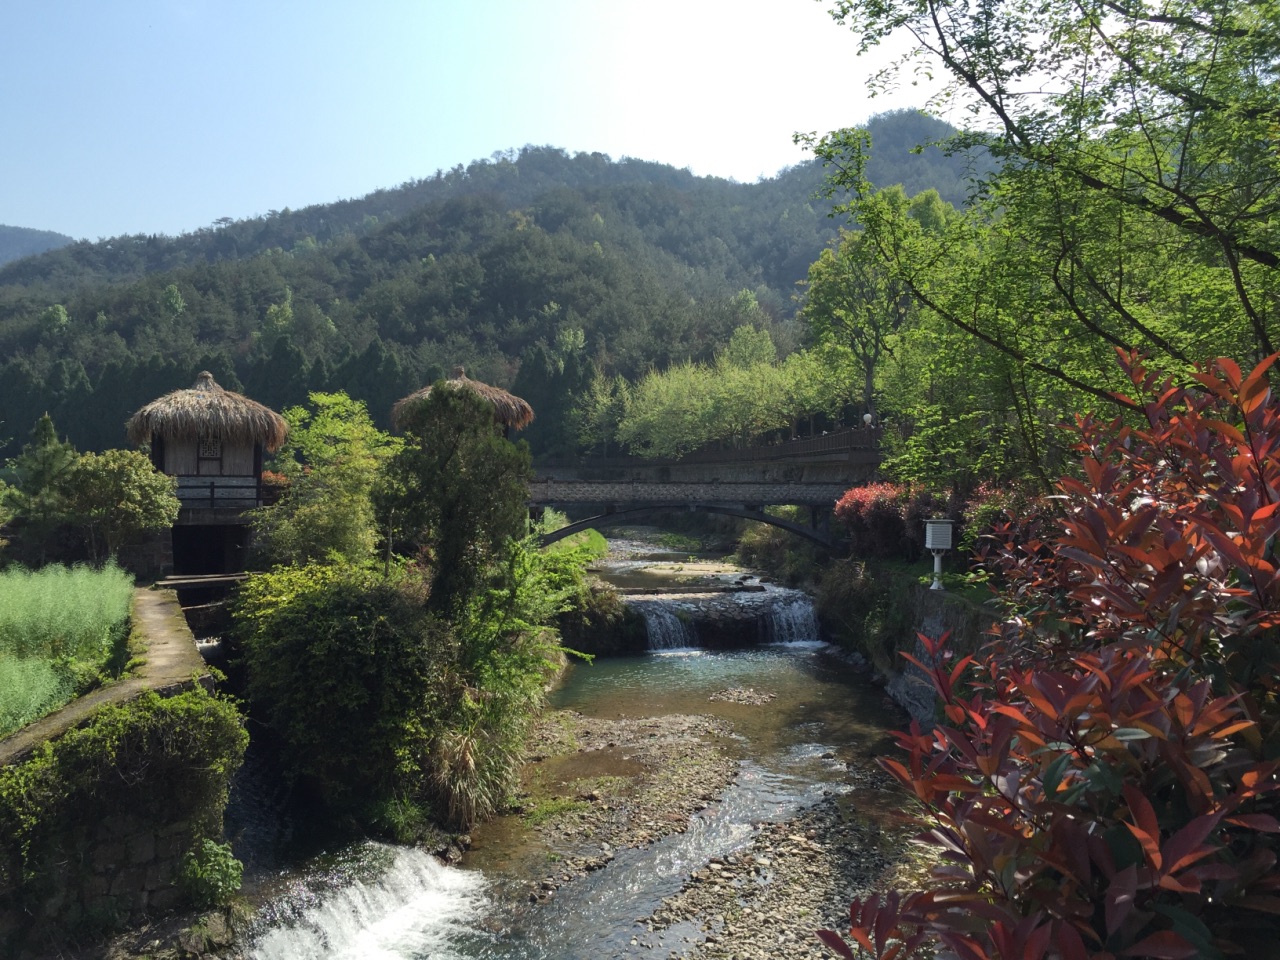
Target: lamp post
(937, 540)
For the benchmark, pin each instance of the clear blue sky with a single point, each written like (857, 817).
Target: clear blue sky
(160, 116)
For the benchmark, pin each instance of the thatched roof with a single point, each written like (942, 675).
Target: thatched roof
(508, 409)
(207, 409)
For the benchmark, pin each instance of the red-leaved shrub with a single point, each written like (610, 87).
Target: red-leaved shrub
(873, 517)
(1103, 779)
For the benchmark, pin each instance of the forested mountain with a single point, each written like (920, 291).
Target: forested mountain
(19, 242)
(555, 263)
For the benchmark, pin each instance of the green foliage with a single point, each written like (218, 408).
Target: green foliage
(853, 303)
(211, 875)
(117, 495)
(590, 544)
(1133, 208)
(745, 395)
(868, 608)
(493, 265)
(61, 631)
(348, 669)
(550, 808)
(330, 464)
(779, 552)
(384, 706)
(39, 474)
(167, 761)
(54, 321)
(456, 494)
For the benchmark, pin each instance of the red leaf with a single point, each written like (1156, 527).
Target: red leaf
(836, 943)
(1164, 945)
(1148, 828)
(1187, 845)
(1262, 822)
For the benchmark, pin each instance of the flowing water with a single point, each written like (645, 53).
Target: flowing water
(376, 901)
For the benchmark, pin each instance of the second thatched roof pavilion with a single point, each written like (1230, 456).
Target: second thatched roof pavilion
(509, 410)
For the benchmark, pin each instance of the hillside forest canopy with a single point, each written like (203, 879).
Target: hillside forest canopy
(538, 270)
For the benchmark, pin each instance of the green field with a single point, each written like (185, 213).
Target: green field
(62, 630)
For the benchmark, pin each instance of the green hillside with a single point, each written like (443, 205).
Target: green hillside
(576, 262)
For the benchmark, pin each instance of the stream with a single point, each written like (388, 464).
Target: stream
(371, 900)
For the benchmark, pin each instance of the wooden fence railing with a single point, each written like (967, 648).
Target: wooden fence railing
(220, 493)
(826, 447)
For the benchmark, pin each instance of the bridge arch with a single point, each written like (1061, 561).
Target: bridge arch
(818, 535)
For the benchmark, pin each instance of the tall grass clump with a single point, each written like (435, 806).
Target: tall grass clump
(61, 630)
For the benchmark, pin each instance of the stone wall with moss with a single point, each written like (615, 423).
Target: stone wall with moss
(102, 801)
(94, 826)
(876, 611)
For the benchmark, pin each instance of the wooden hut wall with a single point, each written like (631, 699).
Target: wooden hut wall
(180, 457)
(237, 460)
(180, 460)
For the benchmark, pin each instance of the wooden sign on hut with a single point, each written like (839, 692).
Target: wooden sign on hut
(212, 440)
(509, 411)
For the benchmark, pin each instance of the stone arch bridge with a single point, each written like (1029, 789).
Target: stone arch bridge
(812, 473)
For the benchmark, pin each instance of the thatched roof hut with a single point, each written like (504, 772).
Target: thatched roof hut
(208, 410)
(508, 409)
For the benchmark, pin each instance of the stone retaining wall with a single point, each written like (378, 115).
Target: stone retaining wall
(936, 613)
(98, 872)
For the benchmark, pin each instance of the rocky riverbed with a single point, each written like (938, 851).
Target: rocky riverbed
(794, 877)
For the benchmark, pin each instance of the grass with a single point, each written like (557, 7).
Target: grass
(61, 631)
(551, 807)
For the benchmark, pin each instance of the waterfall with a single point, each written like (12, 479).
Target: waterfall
(666, 630)
(415, 908)
(790, 618)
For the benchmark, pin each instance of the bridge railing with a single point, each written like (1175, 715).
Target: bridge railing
(828, 446)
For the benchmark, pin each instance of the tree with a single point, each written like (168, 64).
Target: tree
(40, 476)
(457, 492)
(853, 303)
(1125, 121)
(117, 495)
(1132, 206)
(332, 460)
(54, 321)
(348, 669)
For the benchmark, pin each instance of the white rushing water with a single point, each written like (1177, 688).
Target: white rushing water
(415, 907)
(791, 618)
(665, 629)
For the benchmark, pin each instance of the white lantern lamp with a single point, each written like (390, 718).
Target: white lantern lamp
(937, 540)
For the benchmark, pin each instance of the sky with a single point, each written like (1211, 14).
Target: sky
(162, 116)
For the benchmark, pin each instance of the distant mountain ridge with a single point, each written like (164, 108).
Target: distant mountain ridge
(19, 242)
(535, 268)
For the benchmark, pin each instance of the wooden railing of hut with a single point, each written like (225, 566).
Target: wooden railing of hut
(222, 493)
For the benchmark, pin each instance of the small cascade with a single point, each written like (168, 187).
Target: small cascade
(414, 907)
(666, 630)
(790, 619)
